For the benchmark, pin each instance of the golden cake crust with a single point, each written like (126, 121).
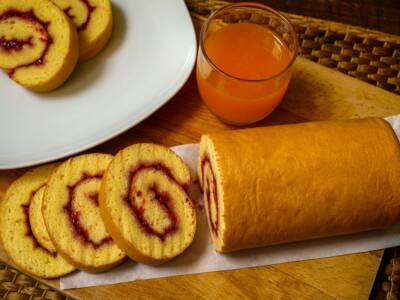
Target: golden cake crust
(17, 236)
(295, 182)
(39, 229)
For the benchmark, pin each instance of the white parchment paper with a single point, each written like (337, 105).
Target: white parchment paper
(200, 256)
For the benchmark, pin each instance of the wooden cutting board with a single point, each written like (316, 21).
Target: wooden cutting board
(315, 93)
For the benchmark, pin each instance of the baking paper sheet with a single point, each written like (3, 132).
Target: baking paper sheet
(200, 256)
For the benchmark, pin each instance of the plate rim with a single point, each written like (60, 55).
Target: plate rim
(173, 89)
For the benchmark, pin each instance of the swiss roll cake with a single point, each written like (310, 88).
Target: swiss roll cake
(38, 43)
(145, 205)
(93, 21)
(278, 184)
(72, 217)
(22, 231)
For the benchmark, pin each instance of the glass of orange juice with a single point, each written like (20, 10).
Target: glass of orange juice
(244, 61)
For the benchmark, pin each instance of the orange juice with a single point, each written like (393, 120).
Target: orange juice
(245, 80)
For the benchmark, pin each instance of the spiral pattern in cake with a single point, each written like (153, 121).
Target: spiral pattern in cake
(72, 216)
(93, 20)
(22, 231)
(38, 43)
(144, 203)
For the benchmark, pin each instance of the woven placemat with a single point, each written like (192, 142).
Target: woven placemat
(15, 285)
(387, 283)
(367, 55)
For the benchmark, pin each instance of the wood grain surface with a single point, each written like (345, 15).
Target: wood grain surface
(315, 93)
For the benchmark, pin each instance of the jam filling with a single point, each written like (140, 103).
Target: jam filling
(17, 44)
(74, 216)
(210, 186)
(90, 10)
(14, 44)
(163, 199)
(29, 232)
(67, 11)
(94, 197)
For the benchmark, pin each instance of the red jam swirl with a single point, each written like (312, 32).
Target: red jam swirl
(90, 8)
(74, 216)
(208, 187)
(17, 44)
(165, 203)
(67, 11)
(14, 44)
(94, 197)
(29, 232)
(163, 199)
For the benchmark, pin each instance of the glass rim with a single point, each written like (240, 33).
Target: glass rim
(254, 5)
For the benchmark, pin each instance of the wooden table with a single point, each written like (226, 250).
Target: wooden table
(315, 93)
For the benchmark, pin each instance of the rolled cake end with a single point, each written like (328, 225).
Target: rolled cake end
(144, 203)
(211, 183)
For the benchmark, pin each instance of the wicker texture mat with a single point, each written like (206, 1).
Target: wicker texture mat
(367, 55)
(387, 286)
(15, 285)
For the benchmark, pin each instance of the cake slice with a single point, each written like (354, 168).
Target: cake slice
(72, 217)
(93, 20)
(22, 232)
(38, 227)
(144, 203)
(38, 43)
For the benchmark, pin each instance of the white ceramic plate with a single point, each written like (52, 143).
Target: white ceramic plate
(149, 57)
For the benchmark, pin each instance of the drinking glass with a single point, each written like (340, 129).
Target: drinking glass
(236, 99)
